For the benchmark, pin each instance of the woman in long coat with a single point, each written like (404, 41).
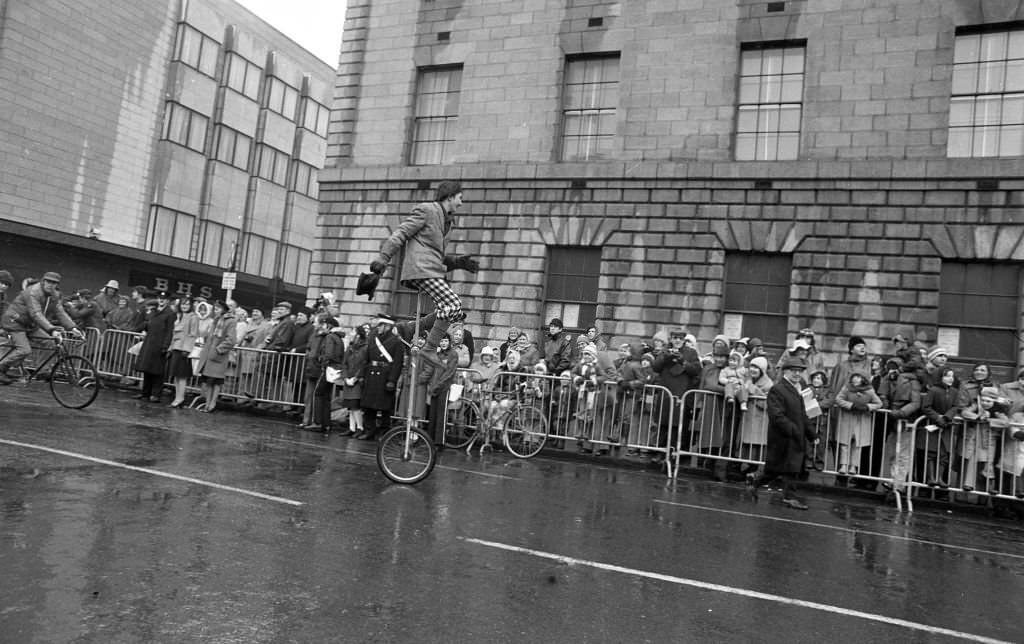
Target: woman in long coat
(152, 359)
(213, 360)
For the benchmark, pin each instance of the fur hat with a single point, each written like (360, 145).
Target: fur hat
(854, 341)
(936, 352)
(761, 363)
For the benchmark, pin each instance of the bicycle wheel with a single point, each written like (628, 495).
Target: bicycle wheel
(406, 461)
(526, 431)
(461, 424)
(74, 382)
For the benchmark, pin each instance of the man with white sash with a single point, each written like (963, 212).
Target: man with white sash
(385, 356)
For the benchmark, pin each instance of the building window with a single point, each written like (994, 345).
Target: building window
(233, 147)
(980, 303)
(571, 292)
(296, 265)
(196, 49)
(437, 112)
(770, 102)
(757, 291)
(282, 98)
(986, 108)
(242, 76)
(304, 180)
(170, 232)
(273, 164)
(185, 127)
(591, 98)
(315, 117)
(260, 255)
(219, 242)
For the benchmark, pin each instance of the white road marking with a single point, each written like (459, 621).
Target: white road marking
(844, 529)
(146, 470)
(743, 592)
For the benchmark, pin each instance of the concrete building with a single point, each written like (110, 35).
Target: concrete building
(753, 167)
(158, 143)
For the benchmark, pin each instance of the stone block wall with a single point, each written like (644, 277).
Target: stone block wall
(866, 251)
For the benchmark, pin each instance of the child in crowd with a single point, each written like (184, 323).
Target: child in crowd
(854, 426)
(940, 408)
(754, 425)
(816, 451)
(986, 419)
(732, 378)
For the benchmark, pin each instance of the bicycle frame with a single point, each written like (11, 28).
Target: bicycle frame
(56, 352)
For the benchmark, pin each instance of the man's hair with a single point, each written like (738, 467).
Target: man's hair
(447, 189)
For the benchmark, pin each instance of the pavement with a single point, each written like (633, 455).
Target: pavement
(131, 522)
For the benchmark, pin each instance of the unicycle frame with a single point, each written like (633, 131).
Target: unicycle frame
(411, 430)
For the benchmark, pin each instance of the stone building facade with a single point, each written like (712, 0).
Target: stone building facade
(751, 167)
(158, 142)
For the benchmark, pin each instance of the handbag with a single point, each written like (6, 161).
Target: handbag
(333, 375)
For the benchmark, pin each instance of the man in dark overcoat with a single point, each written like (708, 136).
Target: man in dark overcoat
(789, 430)
(385, 355)
(152, 359)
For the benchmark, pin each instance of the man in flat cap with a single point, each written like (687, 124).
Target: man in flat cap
(789, 430)
(33, 312)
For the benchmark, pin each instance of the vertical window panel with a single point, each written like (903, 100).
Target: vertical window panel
(572, 286)
(981, 301)
(771, 86)
(985, 116)
(436, 115)
(757, 287)
(590, 105)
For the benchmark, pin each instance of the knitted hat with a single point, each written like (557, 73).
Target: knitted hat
(737, 355)
(936, 352)
(540, 369)
(989, 392)
(590, 350)
(661, 335)
(690, 339)
(761, 363)
(854, 341)
(487, 351)
(719, 350)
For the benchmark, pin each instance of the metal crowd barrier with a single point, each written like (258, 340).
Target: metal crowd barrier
(968, 457)
(112, 357)
(602, 417)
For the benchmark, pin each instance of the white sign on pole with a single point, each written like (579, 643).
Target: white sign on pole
(732, 326)
(227, 281)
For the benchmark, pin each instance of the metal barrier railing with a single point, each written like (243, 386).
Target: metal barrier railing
(113, 358)
(980, 457)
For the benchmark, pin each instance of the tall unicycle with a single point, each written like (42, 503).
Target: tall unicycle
(406, 454)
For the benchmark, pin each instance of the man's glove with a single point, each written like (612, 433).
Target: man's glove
(378, 267)
(390, 386)
(465, 262)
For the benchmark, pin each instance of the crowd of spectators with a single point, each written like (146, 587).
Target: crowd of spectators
(359, 369)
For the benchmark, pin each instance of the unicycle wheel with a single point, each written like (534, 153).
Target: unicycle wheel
(406, 455)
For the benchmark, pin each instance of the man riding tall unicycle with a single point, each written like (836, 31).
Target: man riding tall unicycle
(423, 235)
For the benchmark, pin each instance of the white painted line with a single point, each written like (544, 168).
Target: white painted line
(743, 592)
(146, 470)
(897, 537)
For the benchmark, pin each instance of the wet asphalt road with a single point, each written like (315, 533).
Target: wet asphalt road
(90, 552)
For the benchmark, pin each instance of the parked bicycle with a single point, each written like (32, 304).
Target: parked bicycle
(74, 381)
(510, 415)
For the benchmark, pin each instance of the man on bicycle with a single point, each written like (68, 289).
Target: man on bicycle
(30, 313)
